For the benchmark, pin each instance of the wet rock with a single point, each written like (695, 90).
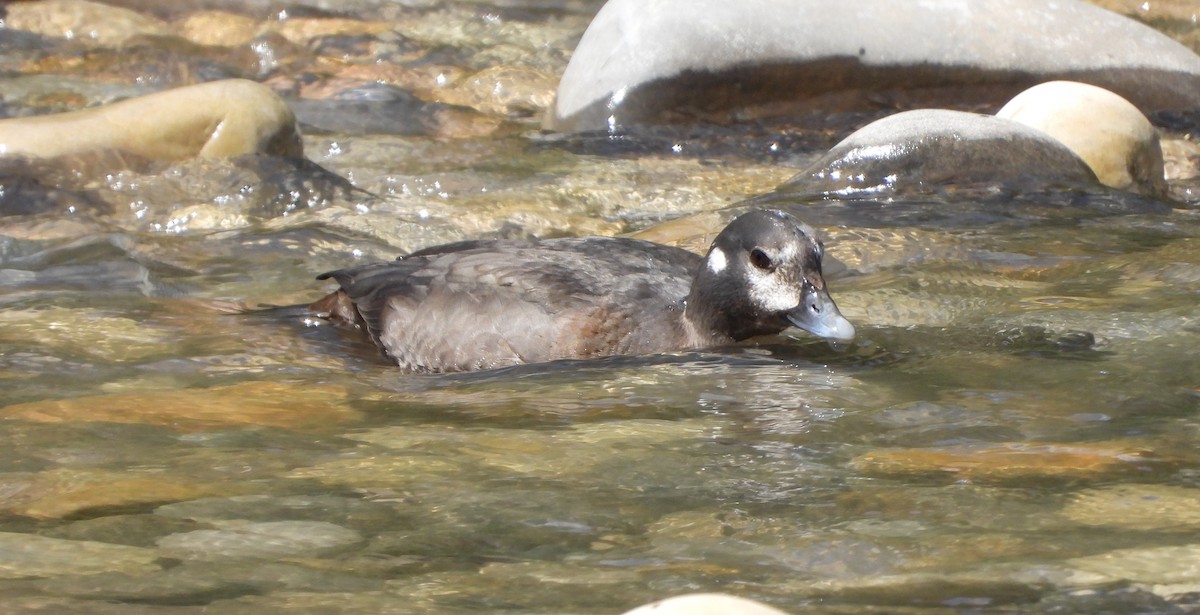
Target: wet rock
(218, 119)
(24, 191)
(61, 605)
(1010, 461)
(971, 588)
(932, 149)
(176, 586)
(154, 63)
(734, 544)
(50, 88)
(1137, 507)
(412, 463)
(385, 110)
(533, 585)
(1157, 565)
(1182, 161)
(1110, 598)
(1181, 157)
(1034, 340)
(357, 514)
(90, 333)
(927, 424)
(204, 194)
(218, 28)
(1036, 142)
(27, 555)
(79, 20)
(673, 61)
(302, 30)
(271, 539)
(250, 403)
(705, 604)
(131, 530)
(588, 446)
(1116, 141)
(507, 91)
(202, 582)
(344, 603)
(59, 493)
(904, 158)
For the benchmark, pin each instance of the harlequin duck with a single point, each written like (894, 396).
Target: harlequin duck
(485, 304)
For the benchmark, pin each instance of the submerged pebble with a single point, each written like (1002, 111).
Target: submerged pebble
(29, 555)
(63, 492)
(1145, 507)
(246, 403)
(268, 539)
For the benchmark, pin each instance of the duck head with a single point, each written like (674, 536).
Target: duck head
(761, 275)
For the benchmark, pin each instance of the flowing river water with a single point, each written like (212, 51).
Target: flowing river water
(1014, 431)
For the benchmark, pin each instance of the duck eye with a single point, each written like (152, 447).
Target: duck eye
(759, 258)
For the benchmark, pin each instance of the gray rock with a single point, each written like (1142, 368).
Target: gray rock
(261, 540)
(27, 555)
(935, 148)
(360, 515)
(644, 62)
(202, 582)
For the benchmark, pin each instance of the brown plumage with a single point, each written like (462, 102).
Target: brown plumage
(485, 304)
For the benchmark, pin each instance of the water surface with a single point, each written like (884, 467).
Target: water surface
(1014, 431)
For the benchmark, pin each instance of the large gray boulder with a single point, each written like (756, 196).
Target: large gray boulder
(1059, 134)
(652, 62)
(935, 149)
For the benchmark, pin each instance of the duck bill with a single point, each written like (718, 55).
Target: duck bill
(819, 315)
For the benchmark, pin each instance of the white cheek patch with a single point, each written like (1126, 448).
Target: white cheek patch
(717, 261)
(771, 294)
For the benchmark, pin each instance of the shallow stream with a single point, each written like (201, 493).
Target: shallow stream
(1016, 429)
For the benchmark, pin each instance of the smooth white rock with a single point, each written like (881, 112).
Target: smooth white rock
(705, 604)
(631, 43)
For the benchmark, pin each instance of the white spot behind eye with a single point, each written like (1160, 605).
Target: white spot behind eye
(717, 260)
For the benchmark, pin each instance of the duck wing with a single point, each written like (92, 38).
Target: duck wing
(479, 305)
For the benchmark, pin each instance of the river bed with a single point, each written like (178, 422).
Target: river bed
(1015, 429)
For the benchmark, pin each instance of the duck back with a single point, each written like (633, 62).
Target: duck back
(487, 304)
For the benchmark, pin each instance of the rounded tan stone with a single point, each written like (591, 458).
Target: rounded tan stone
(90, 22)
(503, 90)
(62, 492)
(303, 30)
(218, 28)
(217, 119)
(1003, 461)
(249, 403)
(1107, 131)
